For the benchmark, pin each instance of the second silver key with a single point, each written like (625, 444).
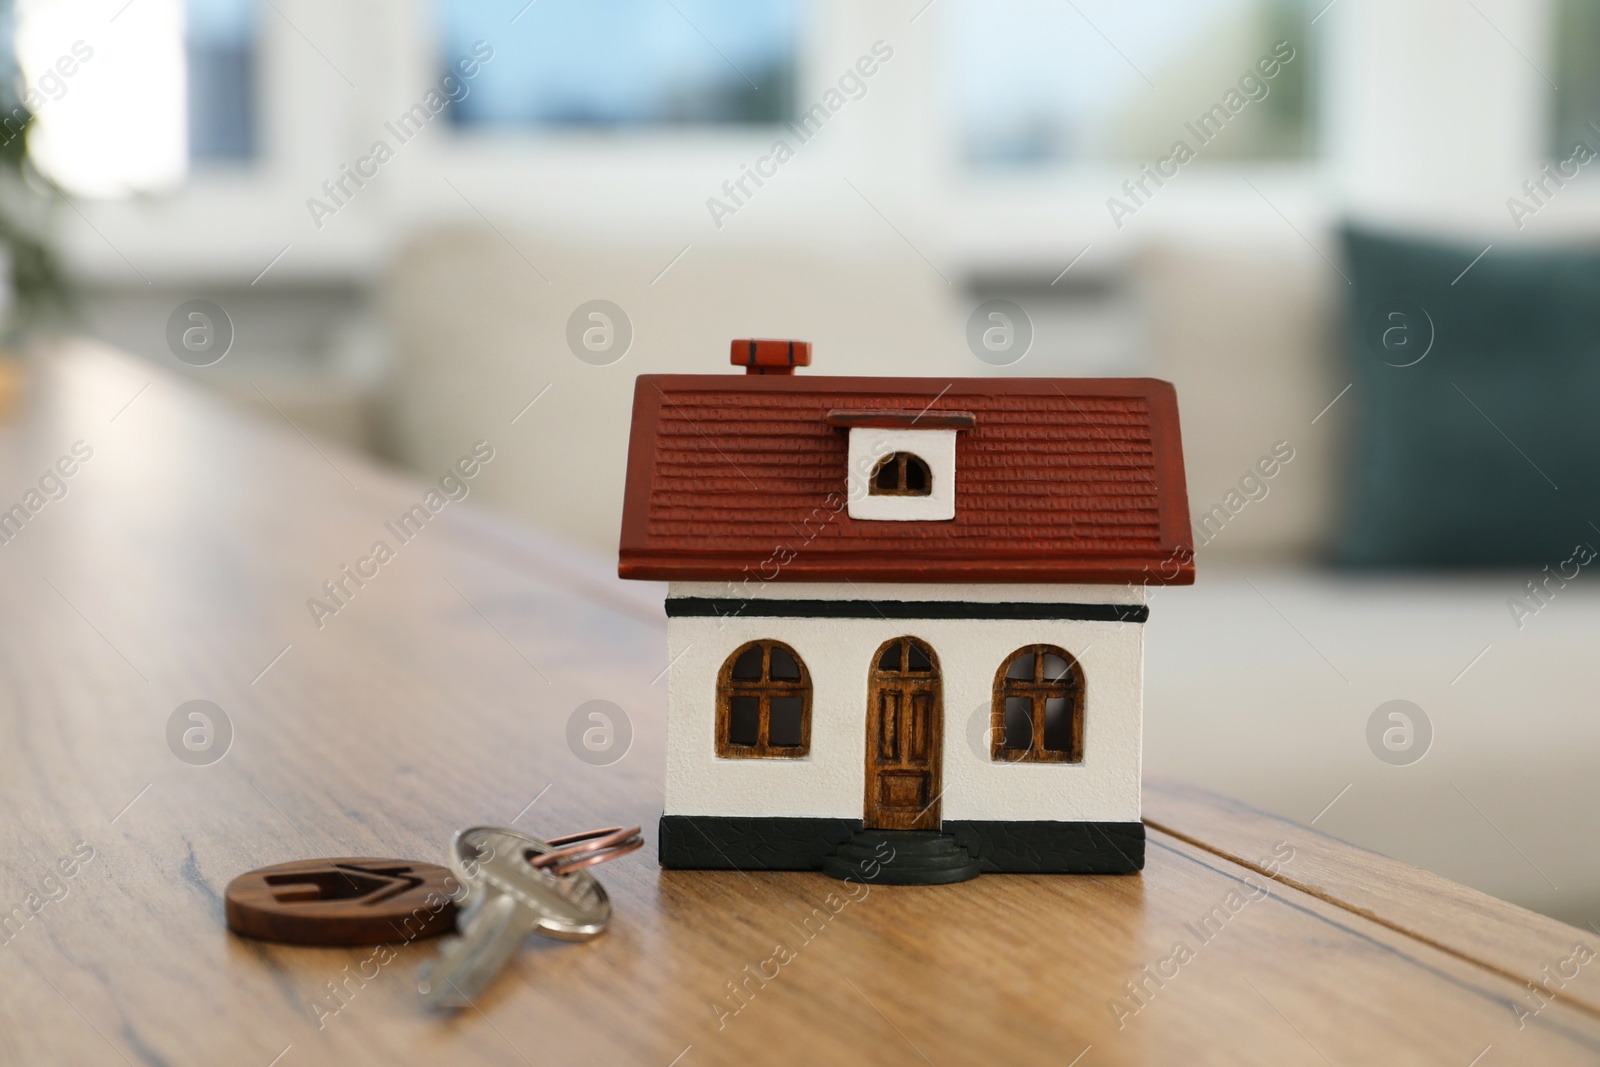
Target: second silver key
(507, 900)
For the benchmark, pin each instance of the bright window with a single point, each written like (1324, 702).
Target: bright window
(105, 85)
(624, 62)
(1039, 81)
(221, 47)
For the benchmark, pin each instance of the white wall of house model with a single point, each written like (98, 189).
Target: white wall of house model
(831, 780)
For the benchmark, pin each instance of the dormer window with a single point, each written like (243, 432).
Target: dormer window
(901, 465)
(901, 474)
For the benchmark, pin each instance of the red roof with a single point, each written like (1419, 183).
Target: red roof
(1057, 480)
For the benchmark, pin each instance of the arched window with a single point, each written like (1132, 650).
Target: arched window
(1037, 715)
(901, 474)
(763, 703)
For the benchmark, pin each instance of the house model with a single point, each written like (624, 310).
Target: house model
(904, 615)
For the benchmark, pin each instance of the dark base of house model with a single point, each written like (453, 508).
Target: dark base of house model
(714, 842)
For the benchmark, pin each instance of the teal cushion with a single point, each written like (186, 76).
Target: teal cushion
(1477, 404)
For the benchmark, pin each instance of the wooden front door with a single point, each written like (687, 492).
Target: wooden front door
(904, 737)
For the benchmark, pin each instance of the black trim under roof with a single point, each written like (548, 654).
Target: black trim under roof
(751, 607)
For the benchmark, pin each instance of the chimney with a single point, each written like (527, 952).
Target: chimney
(771, 357)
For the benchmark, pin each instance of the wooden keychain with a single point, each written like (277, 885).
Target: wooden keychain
(344, 901)
(365, 901)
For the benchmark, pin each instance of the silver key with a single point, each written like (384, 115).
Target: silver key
(507, 899)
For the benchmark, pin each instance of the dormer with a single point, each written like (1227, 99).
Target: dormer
(901, 465)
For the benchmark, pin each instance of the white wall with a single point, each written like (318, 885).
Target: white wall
(1439, 113)
(831, 782)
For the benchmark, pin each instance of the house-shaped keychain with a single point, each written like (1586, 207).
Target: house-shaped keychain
(904, 615)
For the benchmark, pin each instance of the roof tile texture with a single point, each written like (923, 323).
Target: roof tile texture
(1057, 476)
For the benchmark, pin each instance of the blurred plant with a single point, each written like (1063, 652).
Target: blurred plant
(40, 293)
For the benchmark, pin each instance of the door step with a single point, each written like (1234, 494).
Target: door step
(901, 857)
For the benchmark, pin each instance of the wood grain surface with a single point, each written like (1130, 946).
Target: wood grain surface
(177, 567)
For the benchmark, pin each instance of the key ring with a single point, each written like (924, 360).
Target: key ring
(575, 851)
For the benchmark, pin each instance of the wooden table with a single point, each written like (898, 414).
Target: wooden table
(178, 567)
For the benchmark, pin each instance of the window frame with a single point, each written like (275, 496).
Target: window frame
(903, 460)
(764, 690)
(1037, 690)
